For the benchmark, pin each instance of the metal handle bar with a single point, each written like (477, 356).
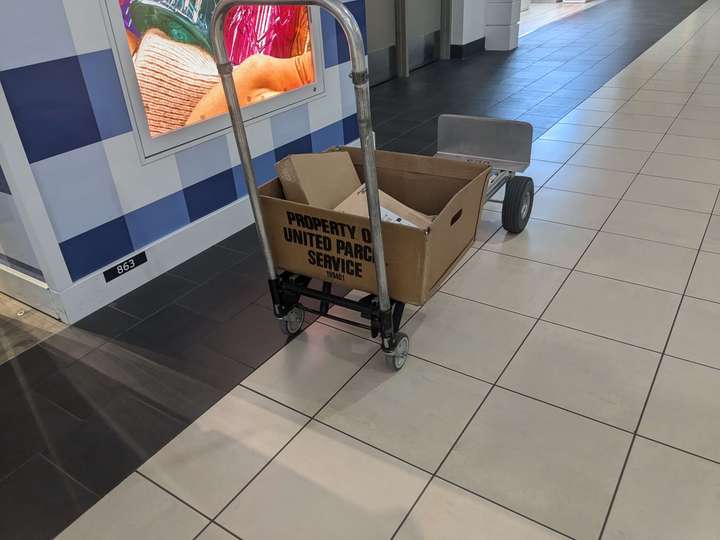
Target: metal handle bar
(360, 79)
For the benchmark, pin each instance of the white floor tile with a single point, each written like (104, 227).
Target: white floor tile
(695, 334)
(572, 208)
(640, 122)
(712, 236)
(675, 75)
(684, 168)
(591, 181)
(136, 508)
(586, 118)
(545, 463)
(690, 146)
(639, 261)
(446, 512)
(696, 128)
(634, 83)
(705, 280)
(697, 112)
(683, 408)
(593, 376)
(658, 223)
(657, 96)
(489, 224)
(651, 109)
(496, 205)
(573, 133)
(465, 258)
(213, 532)
(622, 138)
(611, 92)
(324, 486)
(665, 494)
(641, 68)
(208, 463)
(708, 89)
(705, 100)
(687, 67)
(467, 336)
(545, 242)
(673, 193)
(541, 171)
(522, 286)
(616, 159)
(415, 415)
(633, 72)
(670, 86)
(556, 151)
(601, 104)
(629, 313)
(310, 369)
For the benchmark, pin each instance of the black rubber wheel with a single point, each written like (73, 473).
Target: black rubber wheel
(396, 359)
(518, 203)
(292, 323)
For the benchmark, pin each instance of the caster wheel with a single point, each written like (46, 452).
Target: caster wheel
(396, 359)
(292, 323)
(518, 203)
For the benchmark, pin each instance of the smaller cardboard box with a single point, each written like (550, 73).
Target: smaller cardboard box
(337, 247)
(391, 210)
(320, 180)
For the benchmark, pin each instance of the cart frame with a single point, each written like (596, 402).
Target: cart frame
(287, 289)
(507, 146)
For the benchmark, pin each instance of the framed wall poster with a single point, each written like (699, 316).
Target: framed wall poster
(170, 77)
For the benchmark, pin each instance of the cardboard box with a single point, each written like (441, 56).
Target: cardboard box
(337, 247)
(321, 180)
(391, 209)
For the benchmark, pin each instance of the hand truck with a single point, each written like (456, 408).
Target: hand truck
(288, 289)
(507, 146)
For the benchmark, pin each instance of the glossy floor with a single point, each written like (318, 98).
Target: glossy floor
(539, 15)
(564, 383)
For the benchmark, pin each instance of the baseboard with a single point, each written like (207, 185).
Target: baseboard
(423, 50)
(28, 290)
(93, 292)
(383, 65)
(463, 51)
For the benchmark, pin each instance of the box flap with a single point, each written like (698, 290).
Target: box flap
(320, 180)
(400, 175)
(391, 209)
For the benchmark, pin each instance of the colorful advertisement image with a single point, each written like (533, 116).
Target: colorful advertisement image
(170, 45)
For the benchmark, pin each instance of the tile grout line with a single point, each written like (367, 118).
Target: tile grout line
(496, 383)
(484, 497)
(593, 273)
(692, 361)
(552, 322)
(309, 421)
(68, 476)
(371, 358)
(166, 490)
(678, 449)
(667, 341)
(649, 393)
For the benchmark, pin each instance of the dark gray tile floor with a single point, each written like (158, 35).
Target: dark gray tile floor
(85, 408)
(553, 70)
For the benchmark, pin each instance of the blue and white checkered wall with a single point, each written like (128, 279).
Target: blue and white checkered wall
(15, 249)
(63, 88)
